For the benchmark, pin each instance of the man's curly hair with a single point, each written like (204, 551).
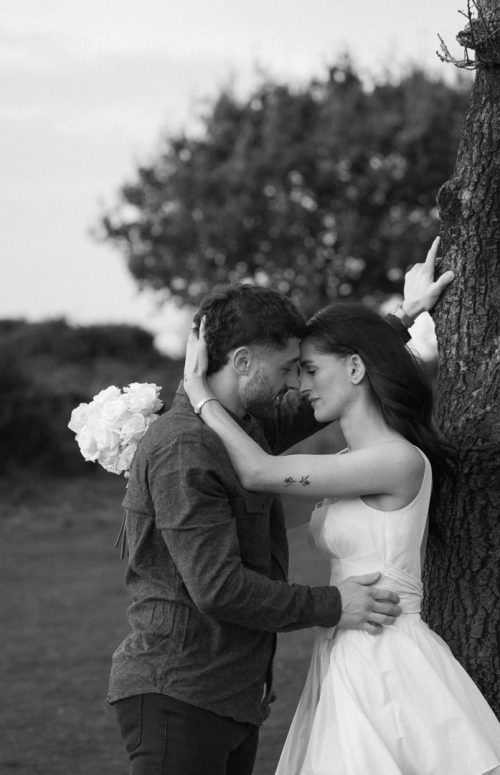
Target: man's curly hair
(242, 314)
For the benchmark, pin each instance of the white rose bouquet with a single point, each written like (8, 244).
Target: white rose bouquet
(109, 428)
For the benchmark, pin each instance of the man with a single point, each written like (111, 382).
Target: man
(207, 571)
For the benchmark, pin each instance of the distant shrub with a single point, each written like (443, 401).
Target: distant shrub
(26, 432)
(78, 343)
(46, 369)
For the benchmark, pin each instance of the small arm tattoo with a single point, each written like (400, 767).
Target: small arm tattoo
(304, 481)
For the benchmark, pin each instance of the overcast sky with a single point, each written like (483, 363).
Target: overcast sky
(88, 85)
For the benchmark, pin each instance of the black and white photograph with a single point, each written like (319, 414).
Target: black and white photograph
(250, 387)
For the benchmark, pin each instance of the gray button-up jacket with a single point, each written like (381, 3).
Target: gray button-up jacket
(208, 566)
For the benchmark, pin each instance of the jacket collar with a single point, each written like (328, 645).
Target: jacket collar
(181, 398)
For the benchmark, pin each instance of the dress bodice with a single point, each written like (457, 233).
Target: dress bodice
(360, 539)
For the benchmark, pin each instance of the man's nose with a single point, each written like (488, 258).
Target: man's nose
(293, 380)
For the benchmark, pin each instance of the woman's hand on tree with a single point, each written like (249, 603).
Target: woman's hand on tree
(421, 291)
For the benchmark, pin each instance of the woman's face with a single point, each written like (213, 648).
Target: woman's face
(325, 379)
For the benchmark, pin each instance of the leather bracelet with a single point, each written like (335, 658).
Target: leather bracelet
(405, 319)
(199, 406)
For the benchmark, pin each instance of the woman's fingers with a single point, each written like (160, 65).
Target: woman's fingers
(196, 361)
(432, 254)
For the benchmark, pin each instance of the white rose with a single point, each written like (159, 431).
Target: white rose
(108, 394)
(134, 428)
(110, 461)
(114, 411)
(87, 443)
(126, 456)
(106, 437)
(78, 417)
(143, 397)
(93, 412)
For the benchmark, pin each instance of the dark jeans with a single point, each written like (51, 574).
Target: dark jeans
(164, 736)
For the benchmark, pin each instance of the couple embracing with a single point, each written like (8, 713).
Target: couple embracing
(192, 682)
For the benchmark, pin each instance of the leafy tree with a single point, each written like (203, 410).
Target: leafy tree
(322, 191)
(462, 574)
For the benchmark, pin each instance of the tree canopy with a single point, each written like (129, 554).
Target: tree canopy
(322, 191)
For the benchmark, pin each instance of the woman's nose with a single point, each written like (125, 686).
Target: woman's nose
(304, 386)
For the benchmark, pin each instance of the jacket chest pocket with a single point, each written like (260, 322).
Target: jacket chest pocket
(256, 503)
(253, 530)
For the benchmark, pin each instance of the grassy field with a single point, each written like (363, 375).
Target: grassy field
(62, 616)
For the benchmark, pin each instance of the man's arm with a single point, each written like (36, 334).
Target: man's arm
(195, 518)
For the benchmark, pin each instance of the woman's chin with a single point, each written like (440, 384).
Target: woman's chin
(318, 414)
(322, 415)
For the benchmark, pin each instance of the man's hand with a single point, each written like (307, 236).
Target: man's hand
(364, 607)
(420, 291)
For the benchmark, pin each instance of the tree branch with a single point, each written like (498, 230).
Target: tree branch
(482, 35)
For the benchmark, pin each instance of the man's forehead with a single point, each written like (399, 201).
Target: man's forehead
(288, 354)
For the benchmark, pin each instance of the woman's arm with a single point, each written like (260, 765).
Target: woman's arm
(364, 472)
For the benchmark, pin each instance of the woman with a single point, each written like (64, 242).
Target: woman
(397, 702)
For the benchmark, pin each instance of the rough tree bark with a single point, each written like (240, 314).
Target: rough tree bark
(462, 577)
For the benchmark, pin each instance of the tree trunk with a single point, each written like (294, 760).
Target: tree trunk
(462, 576)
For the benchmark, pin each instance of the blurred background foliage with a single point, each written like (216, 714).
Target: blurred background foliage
(48, 368)
(323, 191)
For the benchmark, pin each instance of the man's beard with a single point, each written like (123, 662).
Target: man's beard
(259, 397)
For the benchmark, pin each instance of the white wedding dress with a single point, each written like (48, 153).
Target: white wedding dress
(397, 703)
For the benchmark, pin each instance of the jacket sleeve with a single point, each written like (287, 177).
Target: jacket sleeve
(398, 327)
(193, 512)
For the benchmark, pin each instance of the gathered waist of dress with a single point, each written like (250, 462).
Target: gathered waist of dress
(408, 587)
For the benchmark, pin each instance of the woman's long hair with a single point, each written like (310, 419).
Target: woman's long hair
(398, 380)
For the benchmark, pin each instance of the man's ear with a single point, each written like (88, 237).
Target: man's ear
(356, 368)
(241, 360)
